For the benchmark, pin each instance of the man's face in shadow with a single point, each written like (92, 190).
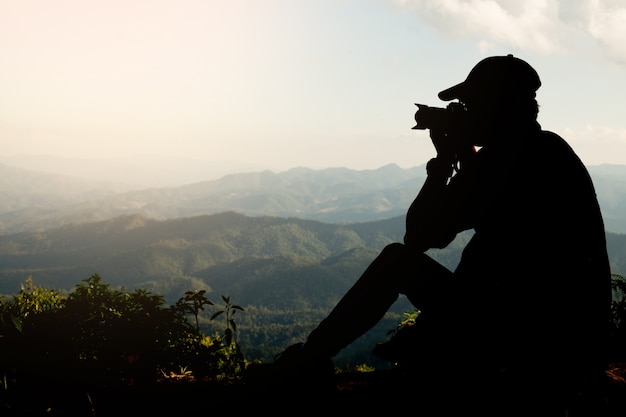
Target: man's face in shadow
(484, 117)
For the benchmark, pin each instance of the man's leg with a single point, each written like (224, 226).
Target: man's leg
(396, 270)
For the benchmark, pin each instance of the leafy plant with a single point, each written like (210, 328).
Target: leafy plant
(218, 356)
(98, 335)
(193, 302)
(408, 319)
(230, 310)
(618, 318)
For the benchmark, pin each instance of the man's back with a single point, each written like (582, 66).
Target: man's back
(536, 272)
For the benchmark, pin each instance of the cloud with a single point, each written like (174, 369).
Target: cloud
(529, 25)
(607, 25)
(542, 26)
(596, 144)
(599, 134)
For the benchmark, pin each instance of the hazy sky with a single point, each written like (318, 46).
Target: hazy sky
(286, 83)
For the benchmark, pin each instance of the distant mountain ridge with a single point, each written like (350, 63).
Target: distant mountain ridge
(37, 201)
(335, 195)
(134, 172)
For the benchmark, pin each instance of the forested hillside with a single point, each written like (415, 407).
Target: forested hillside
(132, 250)
(287, 272)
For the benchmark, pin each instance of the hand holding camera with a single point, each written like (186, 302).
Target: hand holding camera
(446, 127)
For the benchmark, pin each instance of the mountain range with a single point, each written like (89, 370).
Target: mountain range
(36, 200)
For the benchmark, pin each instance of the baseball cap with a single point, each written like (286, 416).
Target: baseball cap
(496, 75)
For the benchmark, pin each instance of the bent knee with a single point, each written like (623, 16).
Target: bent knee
(395, 248)
(404, 253)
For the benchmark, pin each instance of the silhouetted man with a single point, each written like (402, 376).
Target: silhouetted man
(530, 296)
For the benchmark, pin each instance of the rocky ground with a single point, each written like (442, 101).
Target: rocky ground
(390, 391)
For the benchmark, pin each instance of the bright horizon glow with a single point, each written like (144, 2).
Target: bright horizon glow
(288, 83)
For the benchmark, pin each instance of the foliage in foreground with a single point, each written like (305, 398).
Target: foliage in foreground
(97, 336)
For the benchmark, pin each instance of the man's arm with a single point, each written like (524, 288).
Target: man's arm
(438, 212)
(423, 225)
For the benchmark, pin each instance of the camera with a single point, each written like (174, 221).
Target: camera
(441, 119)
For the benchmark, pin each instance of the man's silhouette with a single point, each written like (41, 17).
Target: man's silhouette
(530, 297)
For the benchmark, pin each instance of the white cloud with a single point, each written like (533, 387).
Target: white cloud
(530, 25)
(607, 25)
(542, 26)
(597, 144)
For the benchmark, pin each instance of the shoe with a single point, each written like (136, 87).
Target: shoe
(294, 367)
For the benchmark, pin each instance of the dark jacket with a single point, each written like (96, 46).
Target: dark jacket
(532, 289)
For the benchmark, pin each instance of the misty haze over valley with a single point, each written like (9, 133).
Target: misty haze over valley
(40, 192)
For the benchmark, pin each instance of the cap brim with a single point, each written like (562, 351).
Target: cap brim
(452, 92)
